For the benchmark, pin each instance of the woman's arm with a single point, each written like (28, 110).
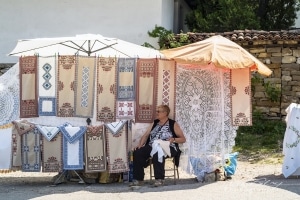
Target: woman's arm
(179, 133)
(144, 138)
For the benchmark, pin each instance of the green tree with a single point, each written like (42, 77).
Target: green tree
(222, 15)
(277, 14)
(228, 15)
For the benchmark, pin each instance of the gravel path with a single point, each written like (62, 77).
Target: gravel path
(251, 181)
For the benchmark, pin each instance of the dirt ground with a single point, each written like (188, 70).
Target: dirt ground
(251, 181)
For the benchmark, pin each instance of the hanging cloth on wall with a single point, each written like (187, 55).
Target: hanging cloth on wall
(47, 86)
(52, 154)
(106, 89)
(116, 140)
(6, 147)
(203, 111)
(65, 86)
(126, 79)
(85, 86)
(241, 97)
(72, 147)
(28, 87)
(48, 132)
(10, 95)
(146, 90)
(166, 85)
(95, 149)
(31, 152)
(125, 110)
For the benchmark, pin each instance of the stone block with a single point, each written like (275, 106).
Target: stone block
(296, 78)
(286, 78)
(294, 72)
(264, 55)
(276, 59)
(259, 94)
(296, 52)
(262, 109)
(297, 83)
(267, 103)
(298, 61)
(257, 50)
(298, 94)
(286, 88)
(290, 42)
(275, 110)
(296, 89)
(267, 61)
(289, 59)
(286, 73)
(259, 88)
(287, 93)
(276, 54)
(274, 49)
(290, 66)
(287, 52)
(274, 65)
(276, 72)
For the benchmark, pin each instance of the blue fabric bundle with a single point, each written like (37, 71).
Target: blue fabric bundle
(231, 164)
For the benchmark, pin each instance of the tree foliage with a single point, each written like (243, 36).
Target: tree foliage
(228, 15)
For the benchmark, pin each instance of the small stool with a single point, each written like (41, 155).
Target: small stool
(174, 169)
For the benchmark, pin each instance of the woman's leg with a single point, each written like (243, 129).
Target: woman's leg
(159, 168)
(140, 157)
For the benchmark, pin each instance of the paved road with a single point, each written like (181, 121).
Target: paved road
(250, 182)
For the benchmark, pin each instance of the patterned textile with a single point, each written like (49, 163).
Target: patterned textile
(48, 132)
(5, 147)
(47, 106)
(65, 86)
(138, 130)
(9, 95)
(241, 97)
(72, 147)
(16, 149)
(47, 86)
(106, 89)
(28, 87)
(115, 127)
(52, 154)
(31, 153)
(166, 85)
(125, 109)
(126, 79)
(291, 146)
(146, 90)
(117, 148)
(203, 110)
(95, 155)
(85, 86)
(23, 126)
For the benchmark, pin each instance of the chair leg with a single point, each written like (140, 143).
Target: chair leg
(150, 165)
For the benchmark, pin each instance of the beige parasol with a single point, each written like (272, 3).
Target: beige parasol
(219, 51)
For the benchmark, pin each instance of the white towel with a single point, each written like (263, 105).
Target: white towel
(162, 148)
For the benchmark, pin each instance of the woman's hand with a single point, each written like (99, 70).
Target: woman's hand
(171, 140)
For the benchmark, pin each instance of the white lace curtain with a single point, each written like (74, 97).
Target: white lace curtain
(203, 110)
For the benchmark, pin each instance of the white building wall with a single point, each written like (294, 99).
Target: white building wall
(129, 20)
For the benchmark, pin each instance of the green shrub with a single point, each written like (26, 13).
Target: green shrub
(264, 134)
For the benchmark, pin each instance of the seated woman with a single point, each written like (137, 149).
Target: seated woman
(163, 129)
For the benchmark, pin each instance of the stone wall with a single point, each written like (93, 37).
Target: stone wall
(283, 59)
